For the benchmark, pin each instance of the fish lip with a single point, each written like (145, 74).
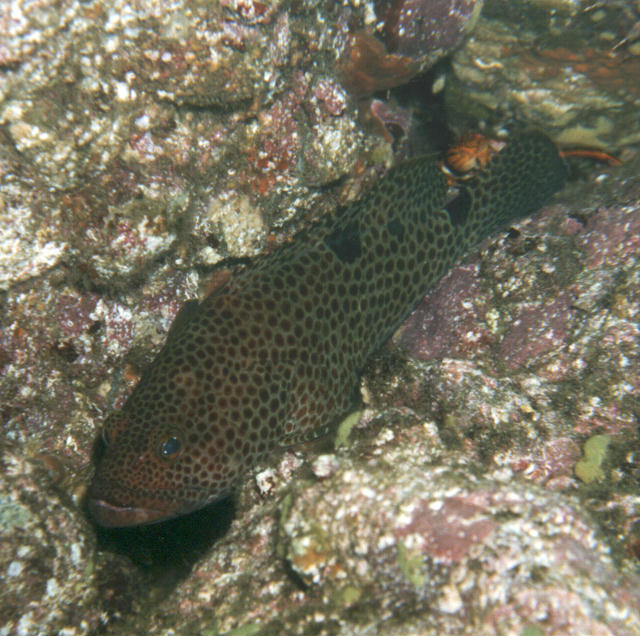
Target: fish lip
(111, 516)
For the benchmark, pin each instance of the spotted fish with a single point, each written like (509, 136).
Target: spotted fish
(273, 357)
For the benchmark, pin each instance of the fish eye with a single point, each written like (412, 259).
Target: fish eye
(170, 447)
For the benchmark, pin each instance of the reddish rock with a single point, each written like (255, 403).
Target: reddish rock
(536, 331)
(418, 27)
(449, 322)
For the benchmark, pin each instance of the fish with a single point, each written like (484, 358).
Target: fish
(273, 357)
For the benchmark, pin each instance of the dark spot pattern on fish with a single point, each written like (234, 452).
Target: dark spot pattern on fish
(273, 356)
(459, 206)
(396, 228)
(345, 243)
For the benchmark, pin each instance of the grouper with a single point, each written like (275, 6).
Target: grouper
(273, 357)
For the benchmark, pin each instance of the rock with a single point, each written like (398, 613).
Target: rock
(550, 64)
(54, 581)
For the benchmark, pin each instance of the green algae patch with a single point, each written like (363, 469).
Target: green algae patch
(344, 428)
(411, 566)
(532, 630)
(12, 514)
(349, 595)
(285, 508)
(246, 630)
(589, 468)
(88, 572)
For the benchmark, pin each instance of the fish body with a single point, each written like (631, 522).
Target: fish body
(274, 356)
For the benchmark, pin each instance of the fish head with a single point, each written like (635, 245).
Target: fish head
(183, 440)
(177, 445)
(202, 414)
(149, 472)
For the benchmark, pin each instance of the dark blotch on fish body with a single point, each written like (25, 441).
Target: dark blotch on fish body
(272, 357)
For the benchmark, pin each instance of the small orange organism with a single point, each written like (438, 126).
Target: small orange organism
(471, 152)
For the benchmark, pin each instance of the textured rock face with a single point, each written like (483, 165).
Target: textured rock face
(570, 67)
(142, 143)
(455, 554)
(419, 28)
(396, 544)
(413, 36)
(53, 580)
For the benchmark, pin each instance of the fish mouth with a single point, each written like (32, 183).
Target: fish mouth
(136, 508)
(111, 516)
(113, 504)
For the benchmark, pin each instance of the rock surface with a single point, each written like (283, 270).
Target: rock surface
(569, 67)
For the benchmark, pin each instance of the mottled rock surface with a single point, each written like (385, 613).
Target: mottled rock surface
(570, 67)
(142, 143)
(53, 579)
